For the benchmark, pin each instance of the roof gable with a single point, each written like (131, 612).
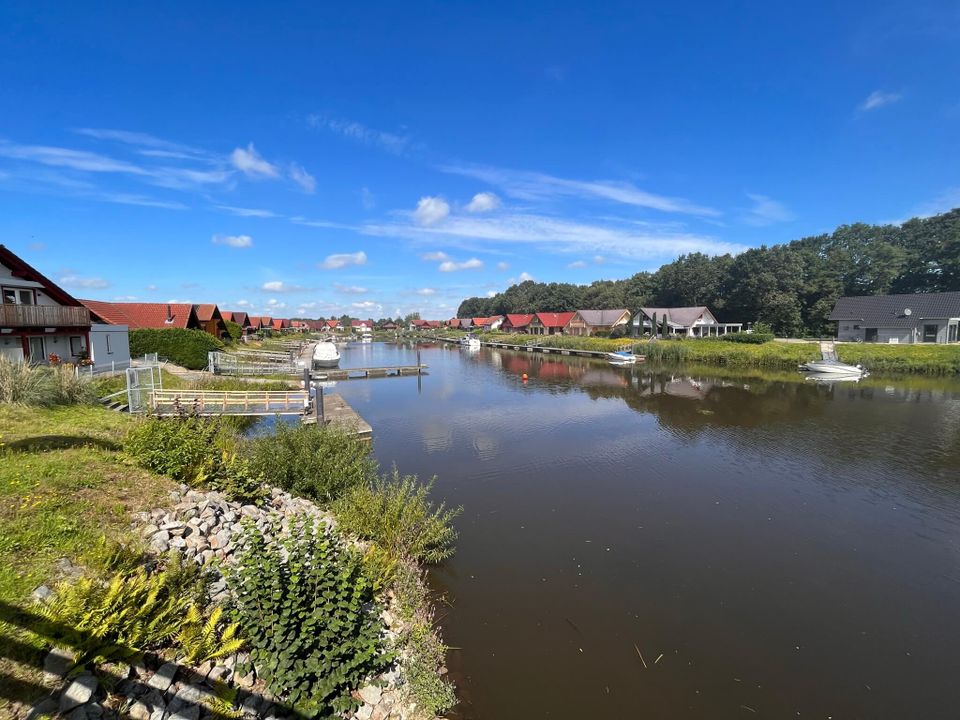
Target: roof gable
(555, 320)
(680, 316)
(518, 320)
(20, 268)
(599, 318)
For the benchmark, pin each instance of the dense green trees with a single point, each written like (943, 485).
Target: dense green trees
(792, 287)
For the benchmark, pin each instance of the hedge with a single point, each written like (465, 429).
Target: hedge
(187, 348)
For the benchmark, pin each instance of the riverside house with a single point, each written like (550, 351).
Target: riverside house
(550, 323)
(38, 318)
(516, 322)
(590, 322)
(240, 318)
(211, 320)
(692, 322)
(895, 319)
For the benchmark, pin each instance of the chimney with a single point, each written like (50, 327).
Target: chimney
(169, 315)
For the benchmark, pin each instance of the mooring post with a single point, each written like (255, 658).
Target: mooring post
(321, 419)
(418, 361)
(306, 387)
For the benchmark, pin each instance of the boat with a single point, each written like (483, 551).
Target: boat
(830, 368)
(470, 342)
(621, 357)
(325, 355)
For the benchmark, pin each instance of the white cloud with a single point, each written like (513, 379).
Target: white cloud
(431, 210)
(73, 159)
(491, 293)
(396, 144)
(526, 185)
(249, 162)
(126, 298)
(878, 98)
(524, 276)
(160, 147)
(551, 234)
(334, 262)
(141, 200)
(452, 266)
(151, 288)
(247, 212)
(367, 199)
(435, 256)
(599, 259)
(503, 266)
(274, 304)
(87, 283)
(766, 211)
(350, 289)
(483, 202)
(234, 241)
(944, 202)
(366, 305)
(426, 291)
(577, 264)
(301, 177)
(280, 286)
(243, 303)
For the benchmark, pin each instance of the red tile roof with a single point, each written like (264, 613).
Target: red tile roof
(518, 320)
(280, 323)
(206, 312)
(556, 320)
(144, 315)
(333, 323)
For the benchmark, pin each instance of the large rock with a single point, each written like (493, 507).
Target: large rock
(78, 692)
(57, 664)
(370, 694)
(163, 677)
(47, 706)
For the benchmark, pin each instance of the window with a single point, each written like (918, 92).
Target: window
(76, 345)
(35, 347)
(870, 335)
(930, 333)
(109, 349)
(18, 296)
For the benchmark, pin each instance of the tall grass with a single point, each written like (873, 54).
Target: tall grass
(42, 386)
(916, 359)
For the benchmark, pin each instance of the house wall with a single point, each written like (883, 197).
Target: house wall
(55, 343)
(856, 332)
(109, 346)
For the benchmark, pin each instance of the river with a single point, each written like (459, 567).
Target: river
(686, 544)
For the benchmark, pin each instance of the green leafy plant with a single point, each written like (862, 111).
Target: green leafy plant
(304, 606)
(396, 513)
(312, 461)
(178, 447)
(129, 613)
(188, 348)
(231, 474)
(202, 639)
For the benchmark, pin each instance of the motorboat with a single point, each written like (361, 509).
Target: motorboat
(830, 368)
(621, 357)
(325, 355)
(470, 342)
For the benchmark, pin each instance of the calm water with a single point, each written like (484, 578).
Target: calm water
(784, 549)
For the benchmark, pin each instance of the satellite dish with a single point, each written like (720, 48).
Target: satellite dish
(908, 312)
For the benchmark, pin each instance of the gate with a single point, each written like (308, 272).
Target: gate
(141, 382)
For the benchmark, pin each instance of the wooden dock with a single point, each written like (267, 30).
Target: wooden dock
(538, 348)
(337, 413)
(370, 372)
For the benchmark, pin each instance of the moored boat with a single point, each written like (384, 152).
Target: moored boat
(621, 357)
(470, 342)
(834, 368)
(325, 355)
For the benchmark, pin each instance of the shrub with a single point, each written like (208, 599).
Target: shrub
(231, 475)
(23, 384)
(188, 348)
(131, 612)
(397, 515)
(752, 338)
(305, 606)
(177, 447)
(312, 461)
(234, 330)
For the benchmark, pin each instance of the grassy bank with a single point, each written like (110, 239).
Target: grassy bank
(914, 359)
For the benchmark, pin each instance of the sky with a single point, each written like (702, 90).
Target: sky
(375, 159)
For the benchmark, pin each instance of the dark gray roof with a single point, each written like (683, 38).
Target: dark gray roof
(890, 310)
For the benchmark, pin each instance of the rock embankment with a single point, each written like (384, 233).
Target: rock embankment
(205, 528)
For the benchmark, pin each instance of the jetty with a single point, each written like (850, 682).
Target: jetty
(604, 354)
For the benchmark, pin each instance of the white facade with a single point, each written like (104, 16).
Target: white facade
(109, 347)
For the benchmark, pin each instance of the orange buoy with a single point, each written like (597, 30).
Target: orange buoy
(524, 376)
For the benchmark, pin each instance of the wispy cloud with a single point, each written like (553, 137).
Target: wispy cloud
(483, 202)
(71, 280)
(526, 185)
(438, 256)
(426, 292)
(234, 241)
(150, 145)
(391, 142)
(249, 162)
(525, 276)
(878, 98)
(453, 266)
(340, 260)
(367, 199)
(350, 289)
(503, 266)
(301, 177)
(67, 158)
(766, 211)
(577, 264)
(279, 286)
(944, 202)
(247, 212)
(141, 200)
(431, 210)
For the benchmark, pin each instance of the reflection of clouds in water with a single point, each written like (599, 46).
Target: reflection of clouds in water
(486, 446)
(437, 436)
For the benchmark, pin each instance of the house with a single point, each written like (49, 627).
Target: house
(280, 324)
(299, 325)
(38, 318)
(694, 322)
(240, 318)
(496, 321)
(517, 323)
(915, 318)
(550, 323)
(211, 320)
(266, 322)
(480, 323)
(145, 315)
(388, 326)
(362, 326)
(333, 325)
(590, 322)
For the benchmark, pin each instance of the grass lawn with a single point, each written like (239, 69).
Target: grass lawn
(64, 492)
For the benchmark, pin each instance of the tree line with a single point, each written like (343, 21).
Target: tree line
(792, 286)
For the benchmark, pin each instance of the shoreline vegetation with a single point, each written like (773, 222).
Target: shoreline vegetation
(73, 478)
(776, 355)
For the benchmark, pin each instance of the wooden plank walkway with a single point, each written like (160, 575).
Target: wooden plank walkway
(228, 402)
(370, 372)
(538, 348)
(337, 413)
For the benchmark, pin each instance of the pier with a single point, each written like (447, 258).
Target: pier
(536, 348)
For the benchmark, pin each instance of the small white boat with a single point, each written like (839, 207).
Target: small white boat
(470, 342)
(833, 367)
(325, 355)
(621, 357)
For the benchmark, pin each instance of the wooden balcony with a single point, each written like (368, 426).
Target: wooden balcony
(12, 316)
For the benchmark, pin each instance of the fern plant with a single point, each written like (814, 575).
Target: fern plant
(202, 640)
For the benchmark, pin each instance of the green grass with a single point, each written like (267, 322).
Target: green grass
(917, 359)
(64, 492)
(109, 385)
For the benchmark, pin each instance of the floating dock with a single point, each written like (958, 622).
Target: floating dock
(370, 372)
(537, 348)
(338, 413)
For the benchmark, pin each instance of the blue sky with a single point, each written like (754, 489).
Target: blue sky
(379, 158)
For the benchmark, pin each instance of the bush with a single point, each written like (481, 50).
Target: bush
(188, 348)
(41, 385)
(177, 447)
(313, 461)
(131, 612)
(753, 338)
(396, 514)
(234, 330)
(305, 607)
